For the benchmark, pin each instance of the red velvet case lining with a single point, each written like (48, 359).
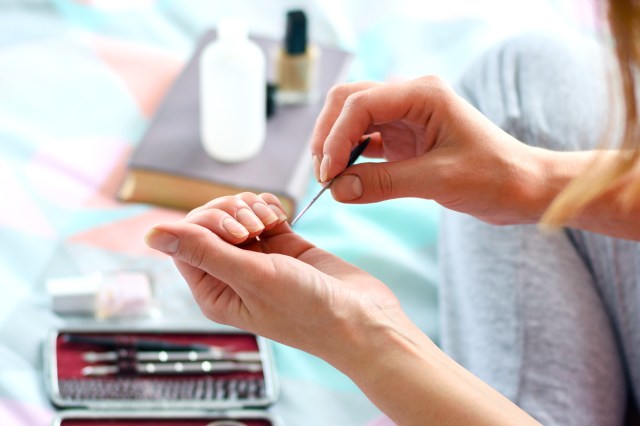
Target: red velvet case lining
(70, 362)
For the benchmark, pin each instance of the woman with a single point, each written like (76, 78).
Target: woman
(441, 147)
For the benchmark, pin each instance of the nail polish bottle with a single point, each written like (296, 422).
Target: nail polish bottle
(232, 94)
(296, 62)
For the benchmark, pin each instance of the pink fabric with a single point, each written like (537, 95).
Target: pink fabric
(16, 413)
(147, 72)
(127, 236)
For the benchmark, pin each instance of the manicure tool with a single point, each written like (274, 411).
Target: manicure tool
(172, 356)
(355, 153)
(152, 368)
(138, 344)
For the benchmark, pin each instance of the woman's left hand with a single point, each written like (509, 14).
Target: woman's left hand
(247, 268)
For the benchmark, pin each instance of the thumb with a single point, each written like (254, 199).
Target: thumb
(203, 251)
(374, 182)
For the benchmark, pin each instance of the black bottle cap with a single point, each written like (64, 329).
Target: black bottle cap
(271, 99)
(296, 36)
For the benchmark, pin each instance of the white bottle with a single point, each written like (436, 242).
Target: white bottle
(232, 94)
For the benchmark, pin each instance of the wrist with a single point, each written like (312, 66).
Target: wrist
(544, 175)
(379, 349)
(590, 203)
(411, 380)
(378, 340)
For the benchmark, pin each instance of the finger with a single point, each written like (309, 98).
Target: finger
(375, 149)
(206, 251)
(327, 117)
(229, 203)
(373, 182)
(268, 215)
(414, 101)
(221, 223)
(267, 210)
(276, 205)
(218, 301)
(207, 263)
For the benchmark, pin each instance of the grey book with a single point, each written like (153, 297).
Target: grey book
(170, 168)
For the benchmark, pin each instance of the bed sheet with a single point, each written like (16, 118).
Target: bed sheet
(79, 81)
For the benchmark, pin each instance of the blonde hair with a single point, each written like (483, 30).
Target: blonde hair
(624, 24)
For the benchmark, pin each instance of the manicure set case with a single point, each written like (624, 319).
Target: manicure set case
(128, 389)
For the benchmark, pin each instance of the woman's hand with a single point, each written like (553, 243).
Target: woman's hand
(246, 268)
(437, 146)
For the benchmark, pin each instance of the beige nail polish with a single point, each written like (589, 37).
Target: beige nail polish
(264, 213)
(249, 220)
(324, 168)
(316, 165)
(348, 188)
(281, 216)
(162, 241)
(234, 228)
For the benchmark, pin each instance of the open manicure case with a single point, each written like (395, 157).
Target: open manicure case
(126, 376)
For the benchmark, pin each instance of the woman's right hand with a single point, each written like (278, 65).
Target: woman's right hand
(437, 146)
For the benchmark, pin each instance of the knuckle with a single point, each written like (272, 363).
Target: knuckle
(383, 183)
(354, 100)
(437, 86)
(218, 203)
(339, 92)
(246, 194)
(270, 199)
(434, 81)
(246, 198)
(219, 200)
(194, 211)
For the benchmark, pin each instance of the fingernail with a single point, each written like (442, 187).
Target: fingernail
(324, 168)
(266, 215)
(281, 216)
(347, 188)
(249, 220)
(162, 241)
(316, 165)
(234, 228)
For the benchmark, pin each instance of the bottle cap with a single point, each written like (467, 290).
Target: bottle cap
(232, 28)
(296, 35)
(272, 89)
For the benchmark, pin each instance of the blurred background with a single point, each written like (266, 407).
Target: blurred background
(79, 83)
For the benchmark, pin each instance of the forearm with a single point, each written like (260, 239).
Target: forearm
(605, 214)
(415, 383)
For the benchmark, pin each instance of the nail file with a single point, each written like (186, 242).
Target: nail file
(355, 153)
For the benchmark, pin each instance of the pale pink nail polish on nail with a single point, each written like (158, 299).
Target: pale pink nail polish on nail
(249, 220)
(264, 213)
(281, 216)
(316, 165)
(162, 241)
(324, 168)
(234, 227)
(349, 187)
